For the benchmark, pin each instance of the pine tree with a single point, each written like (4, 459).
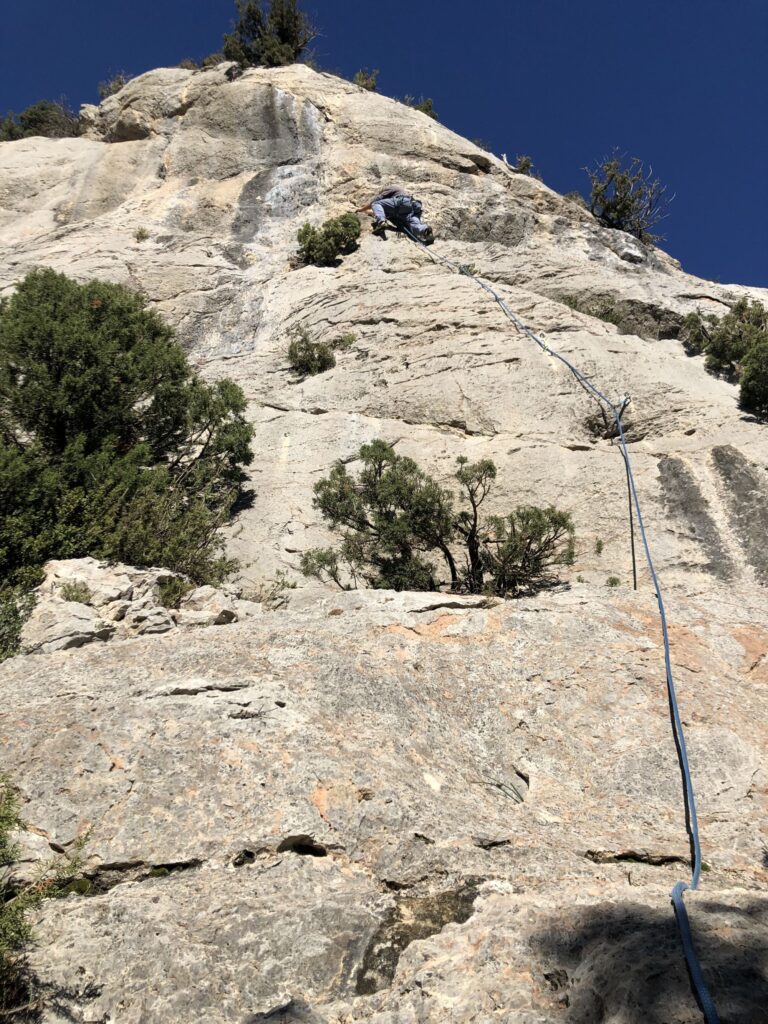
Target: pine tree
(270, 39)
(110, 445)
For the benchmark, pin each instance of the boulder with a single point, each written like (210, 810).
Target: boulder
(105, 583)
(57, 625)
(146, 617)
(206, 606)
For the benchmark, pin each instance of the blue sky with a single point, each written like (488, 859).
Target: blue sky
(683, 84)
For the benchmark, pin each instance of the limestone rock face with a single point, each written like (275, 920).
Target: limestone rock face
(221, 174)
(378, 807)
(384, 807)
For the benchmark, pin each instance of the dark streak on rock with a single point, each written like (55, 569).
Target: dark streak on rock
(412, 918)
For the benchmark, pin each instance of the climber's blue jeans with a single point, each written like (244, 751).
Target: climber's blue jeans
(402, 211)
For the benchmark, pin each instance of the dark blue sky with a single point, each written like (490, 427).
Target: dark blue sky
(681, 83)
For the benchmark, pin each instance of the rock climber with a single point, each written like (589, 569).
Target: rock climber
(403, 211)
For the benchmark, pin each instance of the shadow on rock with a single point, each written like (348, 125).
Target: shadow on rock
(625, 962)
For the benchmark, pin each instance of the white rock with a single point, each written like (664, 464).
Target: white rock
(145, 618)
(106, 583)
(209, 607)
(57, 625)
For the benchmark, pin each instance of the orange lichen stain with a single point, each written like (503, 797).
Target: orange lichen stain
(319, 800)
(754, 640)
(249, 745)
(434, 630)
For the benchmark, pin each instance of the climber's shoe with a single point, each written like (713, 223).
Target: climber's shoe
(427, 236)
(378, 227)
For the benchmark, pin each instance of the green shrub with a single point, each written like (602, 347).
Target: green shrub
(212, 60)
(735, 347)
(111, 446)
(344, 342)
(270, 39)
(524, 165)
(50, 119)
(336, 237)
(425, 105)
(753, 396)
(576, 198)
(731, 338)
(141, 234)
(366, 79)
(694, 334)
(76, 590)
(16, 604)
(627, 198)
(309, 357)
(612, 581)
(188, 64)
(171, 591)
(113, 85)
(16, 903)
(271, 593)
(599, 545)
(396, 522)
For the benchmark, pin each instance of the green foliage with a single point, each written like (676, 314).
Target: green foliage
(336, 237)
(309, 357)
(271, 593)
(18, 900)
(141, 234)
(110, 445)
(50, 119)
(425, 105)
(576, 198)
(521, 548)
(735, 346)
(172, 590)
(753, 396)
(188, 64)
(268, 39)
(627, 198)
(733, 336)
(599, 545)
(16, 604)
(366, 79)
(212, 60)
(113, 84)
(396, 522)
(391, 514)
(612, 581)
(694, 333)
(524, 165)
(344, 342)
(76, 590)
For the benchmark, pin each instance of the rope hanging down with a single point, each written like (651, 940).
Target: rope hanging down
(702, 993)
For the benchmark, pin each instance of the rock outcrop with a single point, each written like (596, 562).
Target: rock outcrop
(82, 600)
(379, 807)
(382, 807)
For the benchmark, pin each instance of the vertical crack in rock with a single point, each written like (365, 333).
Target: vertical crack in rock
(746, 491)
(684, 500)
(411, 919)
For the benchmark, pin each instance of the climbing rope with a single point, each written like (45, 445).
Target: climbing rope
(616, 410)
